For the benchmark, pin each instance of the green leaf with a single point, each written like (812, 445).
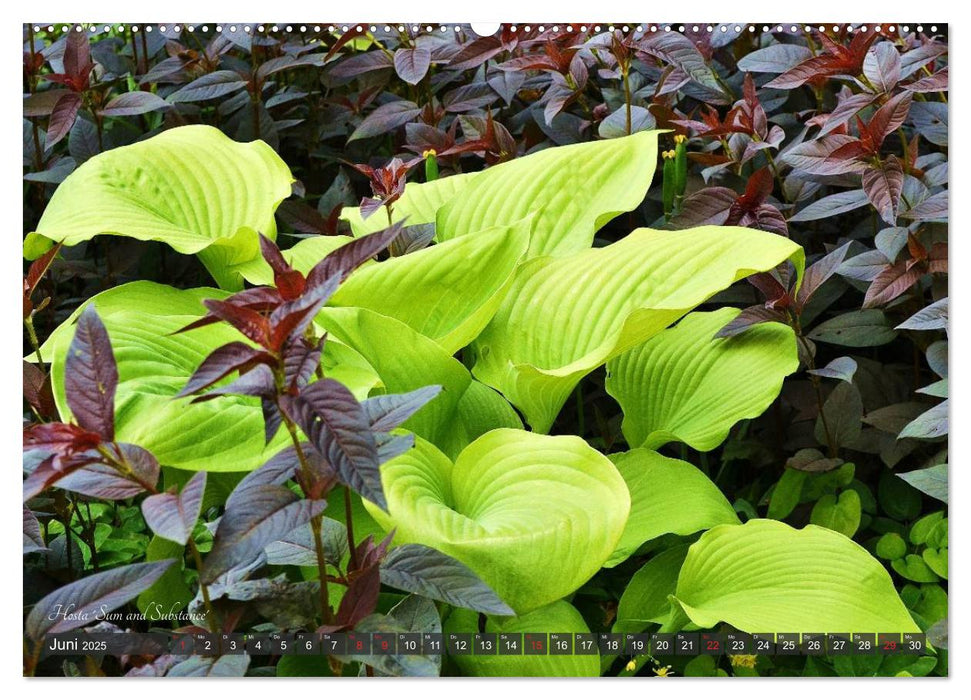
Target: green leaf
(534, 516)
(405, 360)
(192, 187)
(573, 191)
(841, 514)
(933, 423)
(785, 495)
(891, 546)
(562, 317)
(225, 434)
(559, 617)
(645, 600)
(447, 292)
(666, 496)
(914, 567)
(765, 575)
(683, 384)
(856, 329)
(936, 559)
(419, 204)
(932, 481)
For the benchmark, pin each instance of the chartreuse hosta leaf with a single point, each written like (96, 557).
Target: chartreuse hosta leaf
(684, 384)
(534, 516)
(419, 204)
(225, 434)
(221, 435)
(405, 360)
(666, 496)
(562, 317)
(572, 191)
(559, 617)
(447, 292)
(765, 575)
(192, 187)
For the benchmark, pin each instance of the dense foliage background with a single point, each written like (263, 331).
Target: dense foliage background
(836, 138)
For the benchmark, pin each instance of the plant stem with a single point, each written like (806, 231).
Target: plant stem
(34, 343)
(197, 558)
(315, 522)
(349, 517)
(626, 74)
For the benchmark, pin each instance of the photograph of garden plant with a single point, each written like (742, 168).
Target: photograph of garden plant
(586, 334)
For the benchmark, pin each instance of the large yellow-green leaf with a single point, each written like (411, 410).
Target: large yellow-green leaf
(645, 600)
(666, 496)
(419, 203)
(562, 317)
(572, 190)
(191, 187)
(225, 434)
(405, 360)
(765, 576)
(684, 384)
(534, 516)
(559, 617)
(447, 292)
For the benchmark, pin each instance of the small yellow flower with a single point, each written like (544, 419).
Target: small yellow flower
(680, 138)
(667, 154)
(663, 671)
(429, 152)
(743, 660)
(631, 665)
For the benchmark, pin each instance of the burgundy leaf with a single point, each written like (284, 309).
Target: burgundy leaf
(360, 64)
(33, 540)
(360, 599)
(262, 515)
(891, 283)
(934, 208)
(890, 116)
(707, 206)
(272, 418)
(475, 53)
(816, 157)
(847, 108)
(91, 376)
(882, 66)
(412, 64)
(749, 317)
(247, 321)
(131, 103)
(775, 293)
(931, 83)
(418, 569)
(91, 596)
(388, 411)
(300, 360)
(208, 87)
(232, 357)
(62, 118)
(173, 516)
(385, 118)
(883, 185)
(39, 268)
(678, 50)
(302, 217)
(257, 382)
(53, 469)
(77, 57)
(391, 446)
(766, 217)
(338, 428)
(38, 391)
(343, 261)
(817, 273)
(99, 480)
(291, 319)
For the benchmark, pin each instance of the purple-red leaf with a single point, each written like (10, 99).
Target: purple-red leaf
(891, 283)
(131, 103)
(91, 376)
(385, 118)
(883, 185)
(173, 516)
(338, 428)
(232, 357)
(258, 516)
(247, 321)
(817, 273)
(882, 66)
(387, 412)
(62, 118)
(412, 64)
(76, 604)
(300, 360)
(350, 256)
